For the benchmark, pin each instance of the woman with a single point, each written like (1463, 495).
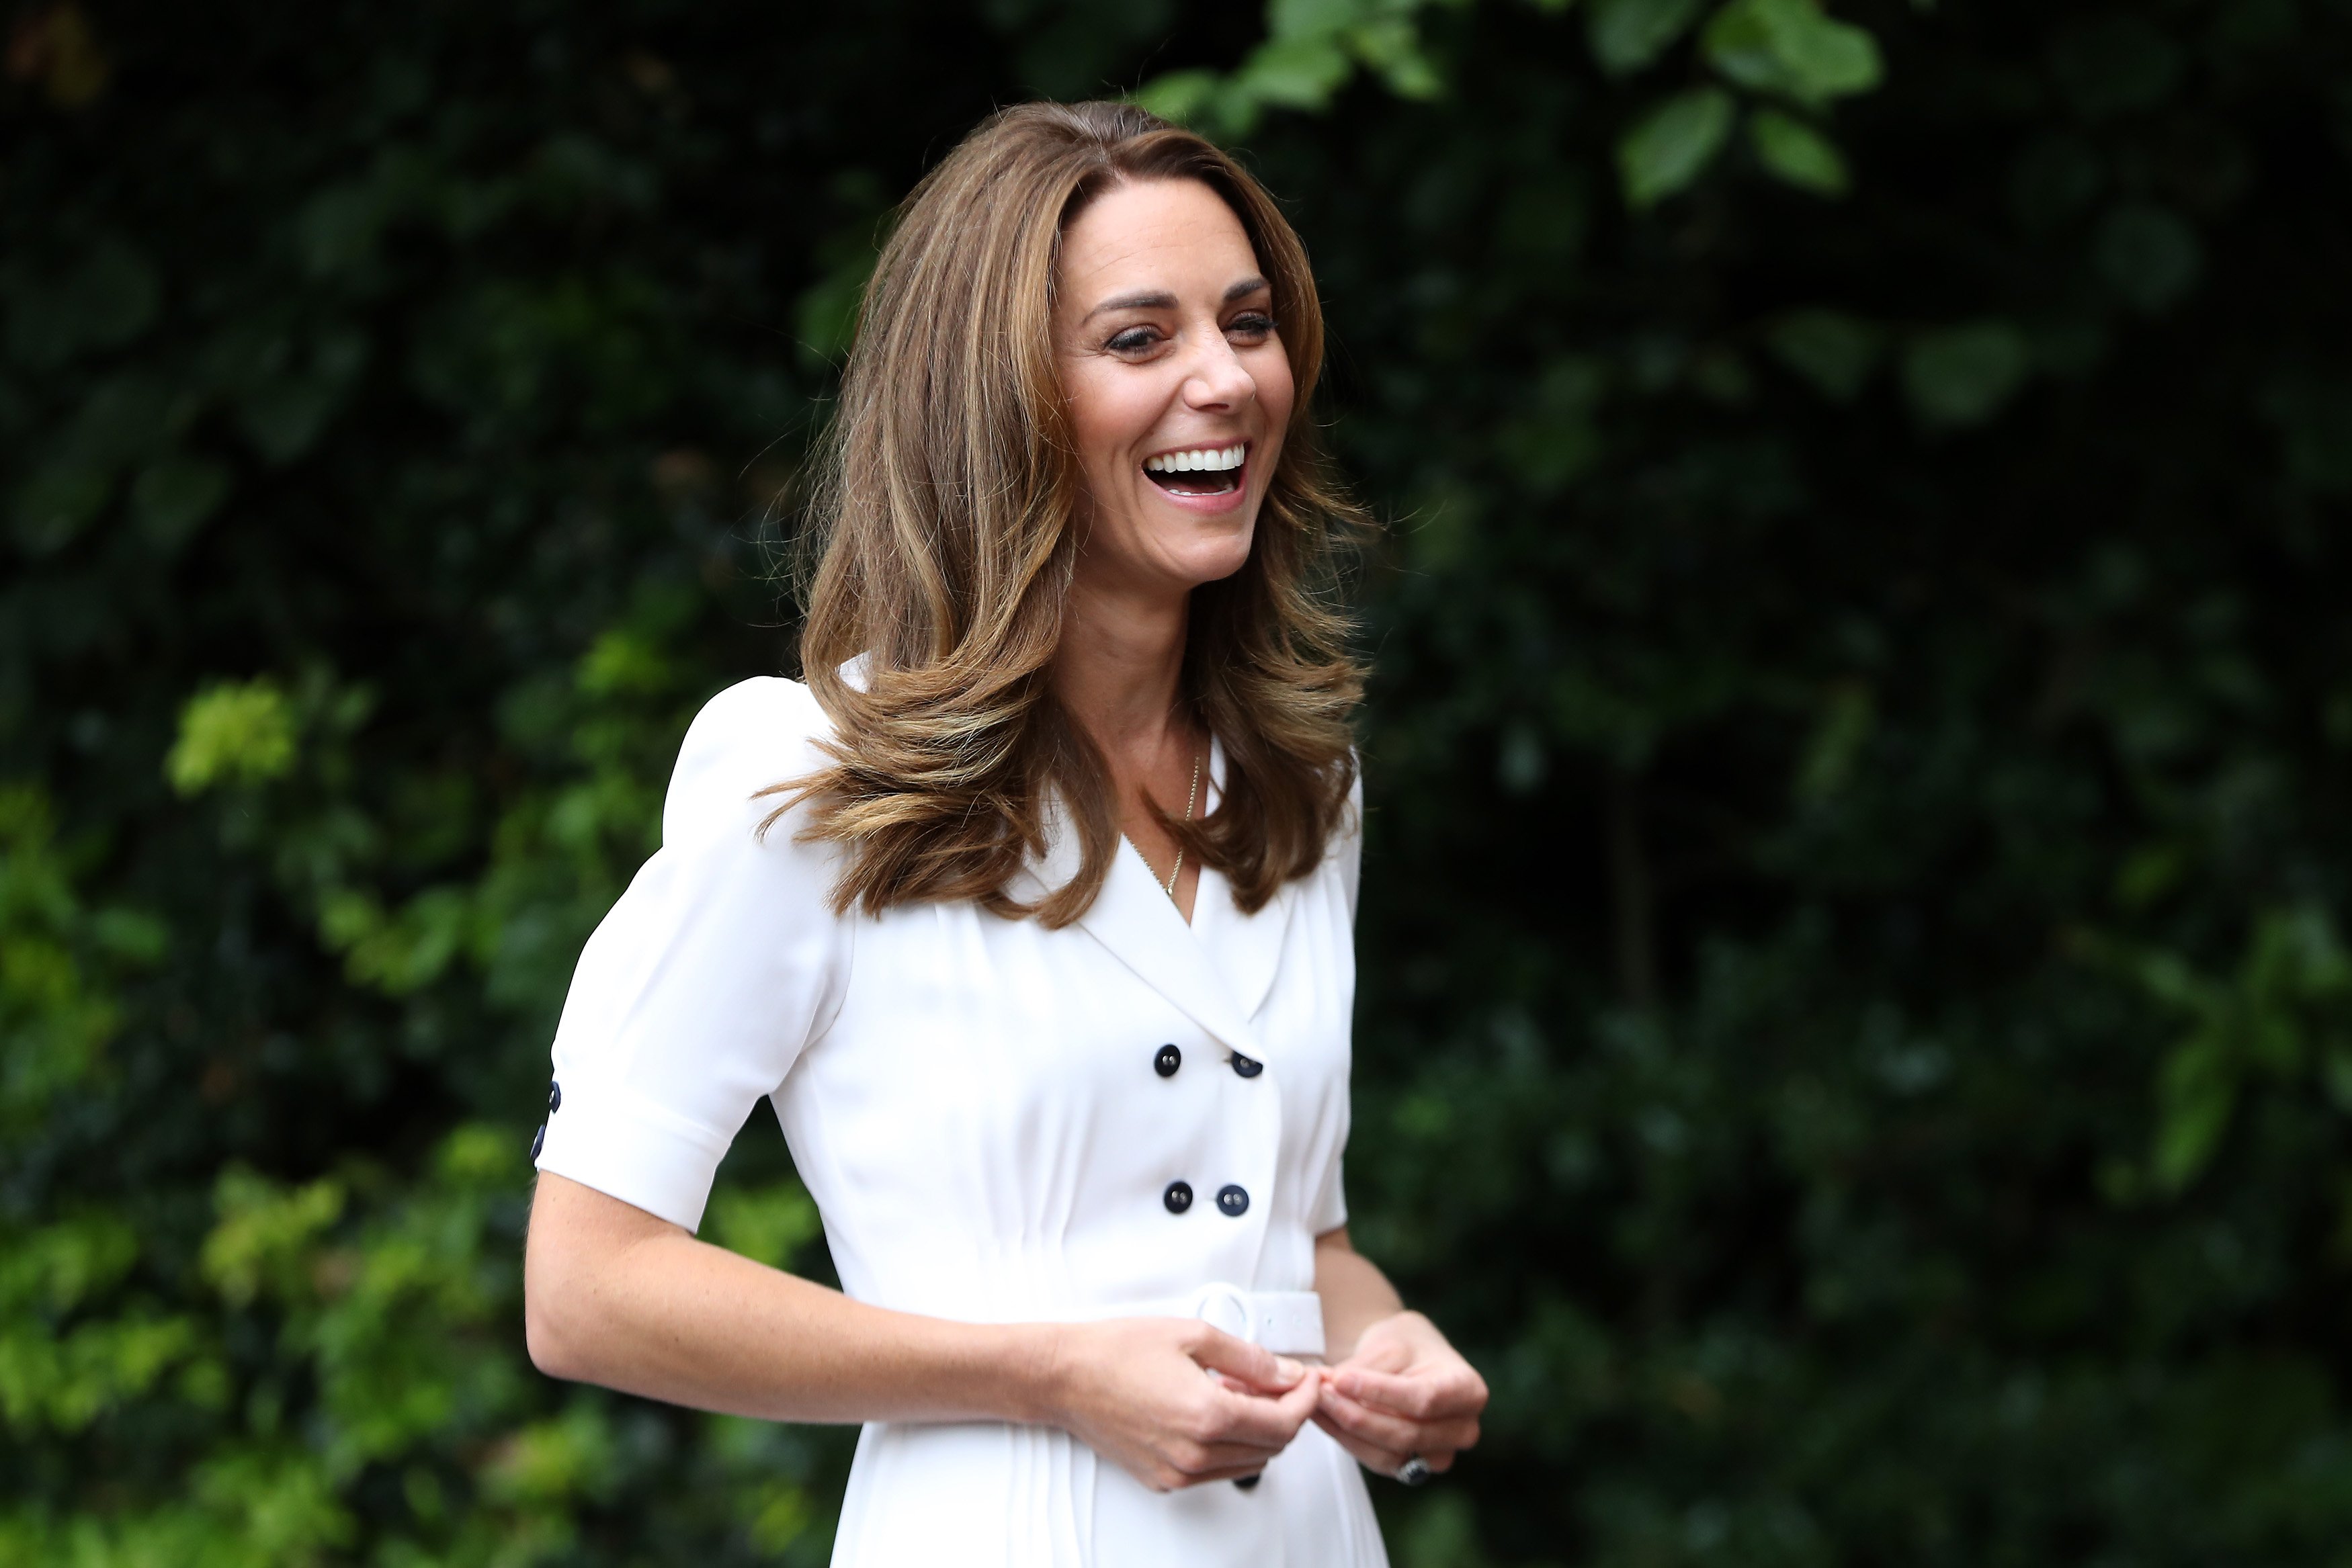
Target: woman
(1031, 915)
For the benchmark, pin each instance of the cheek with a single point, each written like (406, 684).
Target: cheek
(1108, 413)
(1275, 389)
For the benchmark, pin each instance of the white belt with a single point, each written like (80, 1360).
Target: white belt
(1287, 1322)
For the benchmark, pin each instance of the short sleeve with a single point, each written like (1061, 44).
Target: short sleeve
(702, 985)
(1348, 844)
(1330, 1210)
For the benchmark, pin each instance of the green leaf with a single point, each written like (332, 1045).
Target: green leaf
(1849, 715)
(264, 1233)
(231, 732)
(1797, 152)
(1626, 35)
(1791, 48)
(1300, 72)
(1178, 95)
(2195, 1093)
(1835, 352)
(1300, 18)
(1962, 375)
(1673, 145)
(1391, 47)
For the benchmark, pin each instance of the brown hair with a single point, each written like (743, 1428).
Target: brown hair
(942, 506)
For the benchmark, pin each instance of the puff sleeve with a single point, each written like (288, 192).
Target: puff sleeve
(718, 966)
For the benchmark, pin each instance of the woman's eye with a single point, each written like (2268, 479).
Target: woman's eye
(1253, 324)
(1134, 339)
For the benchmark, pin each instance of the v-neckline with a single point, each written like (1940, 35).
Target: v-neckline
(1212, 780)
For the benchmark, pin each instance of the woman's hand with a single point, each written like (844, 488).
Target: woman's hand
(1175, 1401)
(1404, 1392)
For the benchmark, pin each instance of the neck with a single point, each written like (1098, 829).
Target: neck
(1119, 668)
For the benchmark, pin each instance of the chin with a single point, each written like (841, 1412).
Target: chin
(1215, 560)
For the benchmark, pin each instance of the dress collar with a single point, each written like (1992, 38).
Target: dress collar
(1218, 969)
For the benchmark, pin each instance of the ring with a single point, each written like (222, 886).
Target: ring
(1414, 1470)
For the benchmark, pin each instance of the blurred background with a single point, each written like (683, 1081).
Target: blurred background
(1857, 1025)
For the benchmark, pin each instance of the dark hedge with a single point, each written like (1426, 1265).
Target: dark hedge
(1856, 1035)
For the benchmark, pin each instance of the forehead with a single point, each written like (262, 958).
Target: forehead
(1173, 234)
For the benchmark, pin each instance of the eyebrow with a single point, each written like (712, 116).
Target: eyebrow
(1162, 300)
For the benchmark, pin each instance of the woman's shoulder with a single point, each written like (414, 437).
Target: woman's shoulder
(754, 735)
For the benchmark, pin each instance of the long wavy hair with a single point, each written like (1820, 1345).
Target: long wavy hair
(944, 513)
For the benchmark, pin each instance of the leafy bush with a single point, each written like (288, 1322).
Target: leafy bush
(1855, 1035)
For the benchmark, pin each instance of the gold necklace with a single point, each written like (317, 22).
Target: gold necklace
(1191, 797)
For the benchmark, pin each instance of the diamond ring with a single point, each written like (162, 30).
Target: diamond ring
(1414, 1470)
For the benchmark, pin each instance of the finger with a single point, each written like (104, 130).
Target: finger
(1228, 1473)
(1298, 1404)
(1372, 1455)
(1221, 1458)
(1394, 1432)
(1221, 1352)
(1166, 1476)
(1261, 1422)
(1422, 1397)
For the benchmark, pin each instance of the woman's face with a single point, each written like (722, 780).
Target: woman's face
(1178, 387)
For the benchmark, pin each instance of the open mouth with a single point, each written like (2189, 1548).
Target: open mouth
(1199, 471)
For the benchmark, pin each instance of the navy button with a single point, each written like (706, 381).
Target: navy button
(1169, 1060)
(554, 1097)
(1232, 1201)
(1247, 1066)
(1249, 1483)
(538, 1140)
(1178, 1198)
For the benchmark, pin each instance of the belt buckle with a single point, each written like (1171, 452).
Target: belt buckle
(1238, 1318)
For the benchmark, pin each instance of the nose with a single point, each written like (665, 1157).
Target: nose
(1217, 381)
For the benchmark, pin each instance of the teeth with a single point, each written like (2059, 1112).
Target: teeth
(1211, 459)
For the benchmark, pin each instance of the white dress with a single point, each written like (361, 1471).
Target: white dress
(994, 1128)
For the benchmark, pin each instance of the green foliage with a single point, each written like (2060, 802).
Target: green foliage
(1797, 152)
(243, 733)
(1788, 48)
(1962, 375)
(1627, 35)
(1853, 1035)
(1673, 145)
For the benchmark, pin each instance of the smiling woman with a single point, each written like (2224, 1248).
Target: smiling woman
(1074, 291)
(1050, 932)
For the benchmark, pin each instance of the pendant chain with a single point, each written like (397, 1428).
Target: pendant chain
(1192, 799)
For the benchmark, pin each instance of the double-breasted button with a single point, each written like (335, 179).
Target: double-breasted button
(1247, 1066)
(539, 1140)
(554, 1097)
(1232, 1201)
(1169, 1060)
(1178, 1197)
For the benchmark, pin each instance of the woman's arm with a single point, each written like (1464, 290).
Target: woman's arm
(616, 1296)
(1395, 1389)
(1356, 1294)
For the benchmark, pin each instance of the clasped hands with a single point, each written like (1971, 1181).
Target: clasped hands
(1132, 1390)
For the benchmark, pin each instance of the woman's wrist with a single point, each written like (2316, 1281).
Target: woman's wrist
(1343, 1349)
(1035, 1358)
